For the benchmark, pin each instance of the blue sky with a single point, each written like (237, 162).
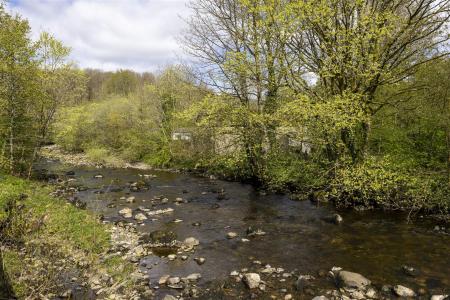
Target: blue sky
(111, 34)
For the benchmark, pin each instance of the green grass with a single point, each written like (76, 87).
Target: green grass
(78, 228)
(70, 230)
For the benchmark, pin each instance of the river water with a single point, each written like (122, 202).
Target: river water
(298, 234)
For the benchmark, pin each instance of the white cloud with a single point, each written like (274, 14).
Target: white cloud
(111, 34)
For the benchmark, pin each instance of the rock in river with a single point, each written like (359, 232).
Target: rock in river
(252, 280)
(194, 277)
(173, 280)
(353, 280)
(200, 260)
(162, 236)
(163, 279)
(126, 212)
(231, 235)
(140, 217)
(191, 242)
(403, 291)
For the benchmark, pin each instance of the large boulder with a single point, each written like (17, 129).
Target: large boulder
(352, 280)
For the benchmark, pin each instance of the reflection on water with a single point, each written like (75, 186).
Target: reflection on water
(375, 244)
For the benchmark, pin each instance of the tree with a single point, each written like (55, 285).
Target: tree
(19, 74)
(239, 47)
(354, 47)
(35, 80)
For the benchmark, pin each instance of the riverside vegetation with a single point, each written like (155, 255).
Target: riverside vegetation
(340, 101)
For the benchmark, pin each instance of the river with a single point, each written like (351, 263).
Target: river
(299, 235)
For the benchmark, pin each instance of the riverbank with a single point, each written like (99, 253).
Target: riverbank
(50, 248)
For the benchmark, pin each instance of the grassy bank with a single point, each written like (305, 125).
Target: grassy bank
(47, 241)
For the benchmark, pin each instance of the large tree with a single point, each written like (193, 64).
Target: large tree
(239, 47)
(355, 46)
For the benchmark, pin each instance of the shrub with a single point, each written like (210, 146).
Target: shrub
(379, 183)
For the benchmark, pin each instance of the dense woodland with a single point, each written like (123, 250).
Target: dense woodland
(336, 100)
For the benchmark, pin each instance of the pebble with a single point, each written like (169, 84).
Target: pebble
(171, 256)
(288, 297)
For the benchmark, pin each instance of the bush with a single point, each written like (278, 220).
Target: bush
(288, 171)
(379, 183)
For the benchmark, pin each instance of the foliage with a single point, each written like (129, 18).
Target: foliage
(380, 183)
(35, 79)
(133, 128)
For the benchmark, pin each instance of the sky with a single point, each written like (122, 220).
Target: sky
(140, 35)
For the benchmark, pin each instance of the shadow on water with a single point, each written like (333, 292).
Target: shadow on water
(6, 291)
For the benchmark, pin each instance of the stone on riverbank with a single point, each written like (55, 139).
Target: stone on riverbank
(353, 280)
(252, 280)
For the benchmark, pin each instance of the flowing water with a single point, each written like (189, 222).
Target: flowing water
(298, 235)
